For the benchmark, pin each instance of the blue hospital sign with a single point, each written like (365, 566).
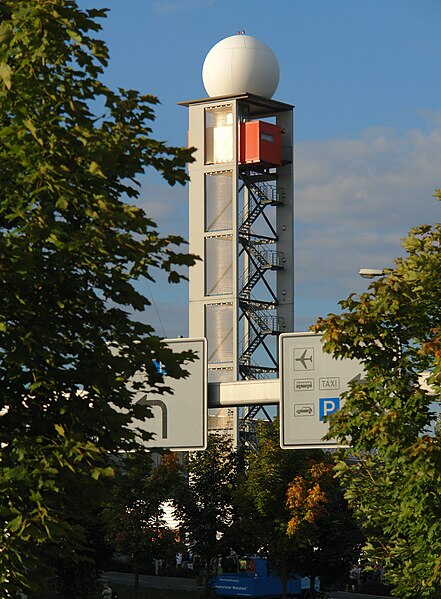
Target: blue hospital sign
(328, 405)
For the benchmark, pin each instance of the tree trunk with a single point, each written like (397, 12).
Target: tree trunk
(206, 578)
(136, 580)
(312, 586)
(284, 579)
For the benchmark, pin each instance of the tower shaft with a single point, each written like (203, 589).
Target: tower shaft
(241, 225)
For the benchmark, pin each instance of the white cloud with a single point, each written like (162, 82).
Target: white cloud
(369, 176)
(166, 205)
(355, 200)
(431, 116)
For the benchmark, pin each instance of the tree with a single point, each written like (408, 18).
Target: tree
(204, 502)
(72, 248)
(322, 525)
(261, 497)
(134, 512)
(394, 484)
(291, 507)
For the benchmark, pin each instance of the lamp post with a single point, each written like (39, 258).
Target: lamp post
(371, 273)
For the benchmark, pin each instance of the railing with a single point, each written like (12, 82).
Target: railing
(263, 324)
(261, 195)
(265, 260)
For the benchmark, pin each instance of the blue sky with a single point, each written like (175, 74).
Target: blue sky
(364, 76)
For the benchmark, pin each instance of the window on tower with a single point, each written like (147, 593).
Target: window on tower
(219, 201)
(218, 135)
(219, 265)
(219, 332)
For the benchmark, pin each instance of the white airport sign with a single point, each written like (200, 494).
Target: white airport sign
(180, 419)
(311, 385)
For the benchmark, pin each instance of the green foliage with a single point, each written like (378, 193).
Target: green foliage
(204, 501)
(261, 497)
(292, 509)
(72, 247)
(394, 486)
(134, 510)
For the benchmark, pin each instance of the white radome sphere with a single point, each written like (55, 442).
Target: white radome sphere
(241, 63)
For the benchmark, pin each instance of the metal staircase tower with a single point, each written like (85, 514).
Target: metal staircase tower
(241, 224)
(260, 315)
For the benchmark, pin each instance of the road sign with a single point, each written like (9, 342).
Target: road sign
(311, 385)
(180, 419)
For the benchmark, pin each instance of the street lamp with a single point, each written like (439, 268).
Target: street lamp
(371, 273)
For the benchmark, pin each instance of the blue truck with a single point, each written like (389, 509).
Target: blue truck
(255, 578)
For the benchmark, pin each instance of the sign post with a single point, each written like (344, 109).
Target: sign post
(180, 419)
(311, 385)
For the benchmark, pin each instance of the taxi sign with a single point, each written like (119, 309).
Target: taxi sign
(311, 385)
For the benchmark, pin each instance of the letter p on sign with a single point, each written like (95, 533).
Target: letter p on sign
(328, 405)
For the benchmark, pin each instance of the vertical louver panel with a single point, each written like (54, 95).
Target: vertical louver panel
(218, 202)
(219, 331)
(219, 265)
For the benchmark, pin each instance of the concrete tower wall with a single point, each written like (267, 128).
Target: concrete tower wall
(241, 212)
(216, 303)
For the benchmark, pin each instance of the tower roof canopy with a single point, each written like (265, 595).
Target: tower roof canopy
(259, 107)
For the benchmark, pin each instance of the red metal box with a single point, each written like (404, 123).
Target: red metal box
(261, 143)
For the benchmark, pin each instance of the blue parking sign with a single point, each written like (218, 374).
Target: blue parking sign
(328, 405)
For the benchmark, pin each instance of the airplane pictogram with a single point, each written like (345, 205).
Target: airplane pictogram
(304, 358)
